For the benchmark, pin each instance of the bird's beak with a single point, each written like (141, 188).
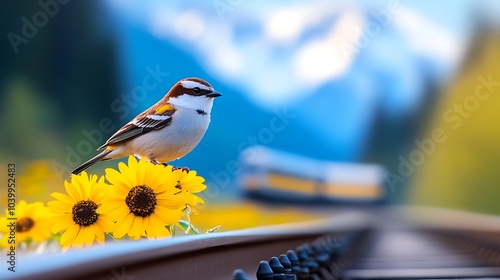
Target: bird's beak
(214, 94)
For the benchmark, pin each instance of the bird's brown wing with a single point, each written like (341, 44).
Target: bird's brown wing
(145, 122)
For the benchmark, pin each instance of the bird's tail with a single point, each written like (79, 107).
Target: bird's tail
(91, 161)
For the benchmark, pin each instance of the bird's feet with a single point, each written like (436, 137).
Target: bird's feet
(185, 169)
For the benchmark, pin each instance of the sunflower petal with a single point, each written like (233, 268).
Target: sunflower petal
(62, 223)
(99, 235)
(168, 216)
(88, 235)
(64, 198)
(59, 207)
(119, 213)
(123, 227)
(137, 229)
(157, 228)
(69, 236)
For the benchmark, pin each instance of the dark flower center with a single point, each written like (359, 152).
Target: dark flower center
(24, 224)
(141, 200)
(84, 213)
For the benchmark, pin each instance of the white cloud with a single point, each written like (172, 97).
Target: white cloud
(160, 22)
(226, 61)
(323, 59)
(189, 25)
(279, 52)
(430, 40)
(286, 24)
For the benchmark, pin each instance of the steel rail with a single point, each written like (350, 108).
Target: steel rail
(205, 256)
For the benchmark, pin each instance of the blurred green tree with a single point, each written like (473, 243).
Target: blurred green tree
(462, 172)
(61, 79)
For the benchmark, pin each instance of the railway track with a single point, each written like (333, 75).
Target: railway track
(415, 254)
(384, 244)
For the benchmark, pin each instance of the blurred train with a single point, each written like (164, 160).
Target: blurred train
(275, 175)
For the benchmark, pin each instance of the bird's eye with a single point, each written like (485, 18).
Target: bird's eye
(196, 90)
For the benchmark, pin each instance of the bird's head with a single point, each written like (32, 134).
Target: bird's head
(193, 93)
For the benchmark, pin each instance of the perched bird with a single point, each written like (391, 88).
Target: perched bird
(166, 131)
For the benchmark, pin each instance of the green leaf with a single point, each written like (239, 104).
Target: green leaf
(186, 226)
(171, 229)
(214, 229)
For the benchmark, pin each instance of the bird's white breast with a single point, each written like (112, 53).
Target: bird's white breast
(180, 137)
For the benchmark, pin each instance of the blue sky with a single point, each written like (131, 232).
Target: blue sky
(337, 65)
(281, 51)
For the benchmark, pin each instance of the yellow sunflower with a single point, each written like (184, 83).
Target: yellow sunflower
(188, 183)
(141, 199)
(32, 222)
(77, 213)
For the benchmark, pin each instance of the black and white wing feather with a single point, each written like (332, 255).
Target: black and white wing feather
(140, 125)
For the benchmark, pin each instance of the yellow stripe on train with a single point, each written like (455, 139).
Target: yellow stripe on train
(292, 184)
(311, 187)
(352, 190)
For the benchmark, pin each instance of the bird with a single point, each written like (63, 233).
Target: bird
(166, 131)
